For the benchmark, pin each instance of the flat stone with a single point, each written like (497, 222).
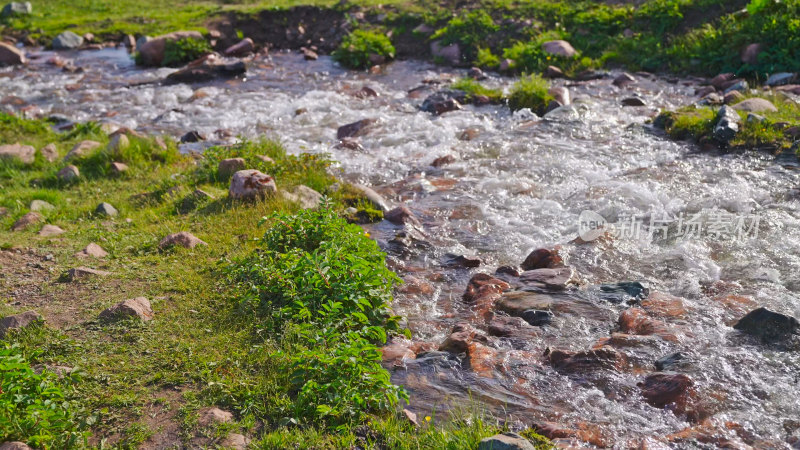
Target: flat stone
(24, 153)
(82, 149)
(517, 302)
(212, 416)
(18, 321)
(469, 262)
(559, 48)
(355, 129)
(755, 105)
(250, 184)
(182, 239)
(10, 55)
(552, 279)
(80, 273)
(92, 251)
(505, 441)
(601, 359)
(768, 325)
(241, 48)
(68, 173)
(106, 209)
(49, 152)
(134, 308)
(26, 221)
(118, 168)
(306, 197)
(67, 40)
(780, 79)
(50, 231)
(40, 205)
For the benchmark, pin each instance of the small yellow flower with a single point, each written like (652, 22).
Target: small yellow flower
(427, 418)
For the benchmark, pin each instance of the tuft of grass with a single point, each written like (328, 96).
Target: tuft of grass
(473, 88)
(362, 49)
(531, 91)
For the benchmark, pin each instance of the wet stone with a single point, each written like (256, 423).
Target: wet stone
(674, 362)
(355, 129)
(537, 317)
(541, 259)
(469, 262)
(551, 279)
(625, 291)
(768, 325)
(662, 389)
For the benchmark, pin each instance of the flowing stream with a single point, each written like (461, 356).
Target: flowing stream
(518, 183)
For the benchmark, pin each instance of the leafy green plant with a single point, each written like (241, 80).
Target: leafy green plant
(181, 51)
(324, 285)
(34, 407)
(361, 49)
(469, 30)
(530, 91)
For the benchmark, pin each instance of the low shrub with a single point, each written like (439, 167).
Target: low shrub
(473, 88)
(362, 49)
(469, 31)
(531, 91)
(34, 407)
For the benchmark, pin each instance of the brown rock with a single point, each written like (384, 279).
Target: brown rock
(355, 129)
(10, 55)
(366, 92)
(82, 149)
(24, 153)
(624, 79)
(401, 215)
(212, 416)
(92, 251)
(483, 285)
(515, 303)
(637, 321)
(633, 101)
(152, 51)
(721, 79)
(755, 105)
(243, 47)
(554, 279)
(49, 152)
(482, 359)
(183, 239)
(665, 305)
(309, 55)
(604, 358)
(118, 168)
(542, 259)
(26, 221)
(50, 230)
(235, 441)
(462, 335)
(306, 197)
(68, 173)
(134, 308)
(559, 48)
(14, 445)
(80, 273)
(410, 417)
(560, 94)
(663, 388)
(553, 72)
(507, 326)
(18, 321)
(732, 97)
(251, 184)
(227, 167)
(443, 160)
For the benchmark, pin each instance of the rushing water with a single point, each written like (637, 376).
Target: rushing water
(520, 183)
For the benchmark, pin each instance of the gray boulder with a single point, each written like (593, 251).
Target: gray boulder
(24, 153)
(18, 321)
(251, 184)
(106, 209)
(755, 105)
(505, 441)
(67, 40)
(780, 79)
(727, 126)
(16, 9)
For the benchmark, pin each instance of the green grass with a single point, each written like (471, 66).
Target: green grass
(473, 88)
(531, 91)
(362, 49)
(231, 329)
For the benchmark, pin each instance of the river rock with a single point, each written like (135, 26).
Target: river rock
(49, 152)
(67, 40)
(460, 337)
(515, 303)
(623, 291)
(623, 79)
(80, 273)
(242, 48)
(152, 51)
(377, 201)
(476, 73)
(443, 101)
(559, 48)
(40, 205)
(732, 97)
(227, 167)
(82, 149)
(601, 359)
(750, 53)
(768, 325)
(192, 136)
(449, 53)
(401, 215)
(720, 80)
(308, 54)
(665, 388)
(24, 153)
(213, 416)
(637, 321)
(552, 279)
(443, 160)
(505, 441)
(727, 126)
(553, 72)
(755, 105)
(68, 173)
(16, 9)
(26, 221)
(468, 262)
(206, 69)
(560, 94)
(735, 85)
(182, 239)
(134, 308)
(483, 285)
(14, 445)
(537, 317)
(673, 362)
(250, 184)
(541, 258)
(10, 55)
(780, 79)
(50, 231)
(633, 101)
(106, 209)
(18, 321)
(305, 196)
(507, 326)
(92, 251)
(355, 129)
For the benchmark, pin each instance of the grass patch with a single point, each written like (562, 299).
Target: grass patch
(473, 88)
(469, 30)
(531, 91)
(362, 49)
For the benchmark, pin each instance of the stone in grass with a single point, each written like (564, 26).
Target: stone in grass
(212, 416)
(50, 231)
(505, 441)
(118, 142)
(81, 149)
(40, 205)
(251, 184)
(68, 173)
(49, 152)
(193, 200)
(133, 308)
(17, 8)
(26, 221)
(92, 251)
(227, 167)
(82, 273)
(755, 105)
(24, 153)
(235, 441)
(106, 209)
(14, 445)
(183, 239)
(305, 196)
(118, 168)
(18, 321)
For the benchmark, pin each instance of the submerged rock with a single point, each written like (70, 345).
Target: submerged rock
(601, 359)
(206, 69)
(768, 325)
(625, 291)
(355, 129)
(443, 101)
(662, 389)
